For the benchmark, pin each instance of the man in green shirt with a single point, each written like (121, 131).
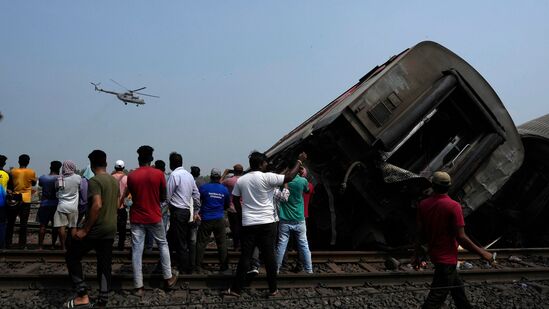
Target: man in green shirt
(292, 220)
(97, 233)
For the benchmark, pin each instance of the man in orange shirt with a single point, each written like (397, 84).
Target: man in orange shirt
(22, 180)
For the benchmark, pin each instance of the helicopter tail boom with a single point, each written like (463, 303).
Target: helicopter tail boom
(96, 86)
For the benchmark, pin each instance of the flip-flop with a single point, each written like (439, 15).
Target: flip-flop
(70, 304)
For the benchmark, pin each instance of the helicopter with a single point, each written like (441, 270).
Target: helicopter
(128, 96)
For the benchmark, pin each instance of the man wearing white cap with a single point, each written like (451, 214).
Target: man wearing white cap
(440, 223)
(122, 217)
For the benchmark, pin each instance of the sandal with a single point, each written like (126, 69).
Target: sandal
(273, 294)
(70, 304)
(228, 292)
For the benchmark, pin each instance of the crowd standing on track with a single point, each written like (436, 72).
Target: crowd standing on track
(94, 207)
(256, 189)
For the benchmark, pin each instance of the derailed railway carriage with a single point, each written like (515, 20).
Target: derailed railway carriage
(372, 150)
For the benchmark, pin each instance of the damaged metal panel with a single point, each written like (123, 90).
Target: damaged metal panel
(373, 148)
(519, 211)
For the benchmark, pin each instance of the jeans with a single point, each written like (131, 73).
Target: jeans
(73, 257)
(446, 279)
(204, 231)
(262, 236)
(138, 238)
(23, 211)
(181, 238)
(300, 230)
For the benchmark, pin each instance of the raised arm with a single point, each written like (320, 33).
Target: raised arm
(290, 175)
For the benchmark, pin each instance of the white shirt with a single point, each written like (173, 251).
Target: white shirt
(182, 190)
(68, 195)
(257, 190)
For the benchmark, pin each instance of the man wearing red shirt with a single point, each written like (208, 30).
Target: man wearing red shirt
(147, 186)
(441, 225)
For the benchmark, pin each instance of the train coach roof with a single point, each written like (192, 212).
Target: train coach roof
(536, 128)
(331, 111)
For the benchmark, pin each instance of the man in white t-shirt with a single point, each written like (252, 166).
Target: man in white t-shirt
(256, 189)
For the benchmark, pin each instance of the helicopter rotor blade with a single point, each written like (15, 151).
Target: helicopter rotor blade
(119, 84)
(138, 89)
(147, 95)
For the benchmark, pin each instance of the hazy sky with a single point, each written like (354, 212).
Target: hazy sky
(232, 76)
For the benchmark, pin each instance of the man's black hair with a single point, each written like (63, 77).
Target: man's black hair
(238, 170)
(161, 165)
(3, 160)
(176, 160)
(98, 158)
(145, 153)
(195, 171)
(55, 166)
(118, 168)
(256, 158)
(24, 159)
(440, 189)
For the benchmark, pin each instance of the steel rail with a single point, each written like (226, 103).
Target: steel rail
(57, 256)
(219, 281)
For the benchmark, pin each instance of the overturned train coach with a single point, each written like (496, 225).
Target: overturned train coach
(373, 149)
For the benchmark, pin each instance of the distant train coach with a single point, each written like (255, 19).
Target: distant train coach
(372, 150)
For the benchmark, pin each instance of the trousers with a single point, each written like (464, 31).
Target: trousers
(446, 280)
(263, 236)
(22, 210)
(73, 257)
(204, 231)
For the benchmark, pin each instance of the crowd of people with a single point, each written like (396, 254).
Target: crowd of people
(180, 212)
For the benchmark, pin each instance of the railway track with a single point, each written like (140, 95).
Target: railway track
(25, 269)
(58, 256)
